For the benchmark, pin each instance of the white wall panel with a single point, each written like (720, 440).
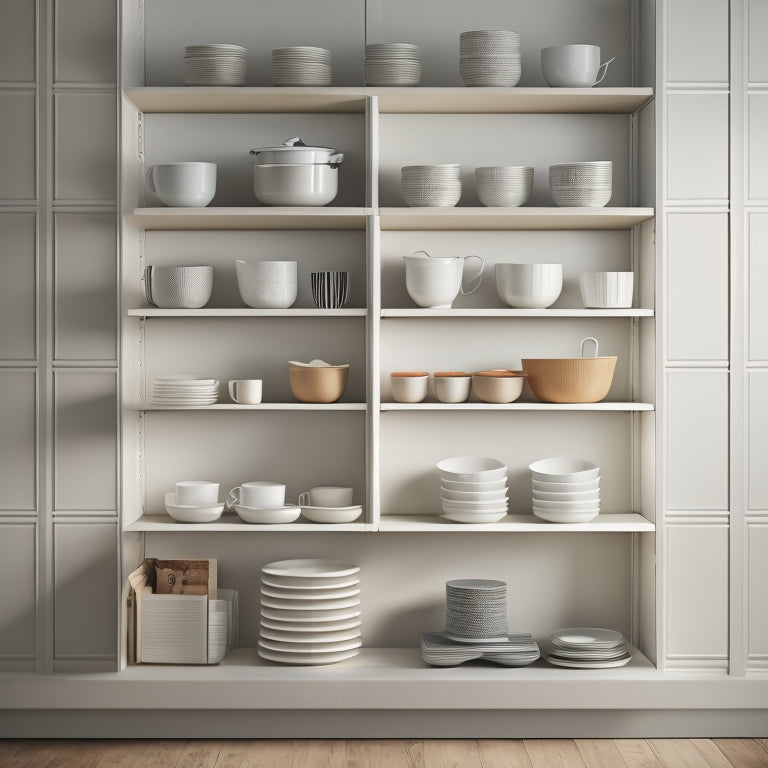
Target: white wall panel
(18, 288)
(85, 440)
(757, 277)
(85, 287)
(697, 286)
(697, 51)
(757, 66)
(17, 41)
(697, 146)
(697, 440)
(17, 148)
(697, 593)
(85, 590)
(757, 596)
(757, 167)
(85, 147)
(84, 51)
(757, 427)
(17, 598)
(18, 426)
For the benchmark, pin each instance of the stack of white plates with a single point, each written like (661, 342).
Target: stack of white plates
(431, 185)
(392, 64)
(565, 489)
(473, 489)
(588, 648)
(504, 185)
(310, 611)
(581, 184)
(475, 609)
(301, 65)
(215, 64)
(188, 391)
(219, 620)
(490, 57)
(515, 650)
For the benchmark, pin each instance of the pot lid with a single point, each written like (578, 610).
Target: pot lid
(294, 150)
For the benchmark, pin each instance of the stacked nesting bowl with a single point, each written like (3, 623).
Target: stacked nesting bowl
(304, 65)
(392, 64)
(215, 64)
(431, 185)
(565, 489)
(473, 489)
(504, 185)
(490, 57)
(585, 184)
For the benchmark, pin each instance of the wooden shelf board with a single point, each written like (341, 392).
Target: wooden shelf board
(164, 523)
(258, 407)
(423, 100)
(629, 522)
(506, 312)
(247, 312)
(543, 218)
(518, 406)
(245, 218)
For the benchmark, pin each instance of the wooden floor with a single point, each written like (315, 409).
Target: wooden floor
(460, 753)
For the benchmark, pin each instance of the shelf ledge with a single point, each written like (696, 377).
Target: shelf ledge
(246, 312)
(518, 406)
(258, 407)
(506, 312)
(232, 523)
(629, 522)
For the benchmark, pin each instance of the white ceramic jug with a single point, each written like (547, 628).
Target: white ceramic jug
(435, 281)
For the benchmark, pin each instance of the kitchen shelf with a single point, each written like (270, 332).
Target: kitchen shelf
(232, 523)
(247, 312)
(257, 407)
(457, 100)
(544, 218)
(427, 313)
(629, 522)
(518, 406)
(161, 219)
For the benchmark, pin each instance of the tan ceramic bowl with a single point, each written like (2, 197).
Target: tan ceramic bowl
(570, 379)
(500, 386)
(318, 384)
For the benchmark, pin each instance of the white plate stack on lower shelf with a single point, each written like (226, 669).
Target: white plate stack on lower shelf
(588, 648)
(310, 612)
(565, 489)
(184, 391)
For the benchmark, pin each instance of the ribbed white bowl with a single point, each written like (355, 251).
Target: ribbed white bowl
(606, 290)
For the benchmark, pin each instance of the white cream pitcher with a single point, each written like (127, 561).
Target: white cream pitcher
(435, 281)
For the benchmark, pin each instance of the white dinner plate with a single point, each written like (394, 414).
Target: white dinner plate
(308, 637)
(332, 593)
(288, 582)
(320, 617)
(332, 514)
(312, 627)
(311, 648)
(312, 605)
(312, 568)
(587, 637)
(573, 664)
(565, 517)
(474, 517)
(307, 659)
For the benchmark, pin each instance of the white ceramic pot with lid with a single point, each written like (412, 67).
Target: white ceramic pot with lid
(295, 174)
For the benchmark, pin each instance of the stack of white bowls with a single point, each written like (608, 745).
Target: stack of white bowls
(392, 64)
(490, 57)
(504, 185)
(473, 489)
(565, 489)
(310, 611)
(431, 185)
(301, 65)
(215, 64)
(588, 184)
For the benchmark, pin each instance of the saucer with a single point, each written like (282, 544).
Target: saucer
(332, 514)
(268, 515)
(189, 514)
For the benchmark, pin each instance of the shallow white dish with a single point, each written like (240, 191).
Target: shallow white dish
(332, 593)
(308, 637)
(472, 468)
(565, 517)
(481, 496)
(306, 659)
(268, 515)
(474, 507)
(310, 568)
(569, 506)
(311, 648)
(186, 514)
(587, 637)
(314, 606)
(332, 514)
(319, 618)
(574, 664)
(571, 496)
(474, 517)
(564, 469)
(287, 582)
(479, 486)
(311, 626)
(542, 485)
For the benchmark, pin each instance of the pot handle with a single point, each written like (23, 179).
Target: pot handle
(334, 161)
(151, 179)
(477, 276)
(584, 341)
(147, 278)
(605, 71)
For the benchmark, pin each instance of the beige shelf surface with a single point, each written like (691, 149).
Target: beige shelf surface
(628, 522)
(504, 312)
(247, 312)
(232, 523)
(258, 407)
(518, 406)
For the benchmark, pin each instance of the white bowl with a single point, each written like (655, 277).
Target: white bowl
(566, 487)
(472, 468)
(188, 514)
(606, 290)
(409, 386)
(564, 469)
(574, 506)
(448, 495)
(473, 506)
(267, 284)
(529, 286)
(508, 186)
(593, 495)
(479, 485)
(565, 517)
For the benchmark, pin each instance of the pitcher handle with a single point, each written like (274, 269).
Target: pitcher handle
(233, 497)
(605, 71)
(584, 341)
(478, 276)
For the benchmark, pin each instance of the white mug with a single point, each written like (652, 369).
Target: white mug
(326, 496)
(196, 493)
(258, 494)
(183, 185)
(435, 281)
(245, 391)
(573, 66)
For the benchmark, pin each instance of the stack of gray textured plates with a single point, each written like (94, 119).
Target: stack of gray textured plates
(431, 185)
(490, 57)
(301, 65)
(588, 184)
(588, 648)
(475, 609)
(215, 64)
(392, 64)
(514, 650)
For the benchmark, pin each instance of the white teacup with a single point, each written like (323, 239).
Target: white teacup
(258, 494)
(326, 496)
(435, 281)
(183, 185)
(245, 391)
(573, 66)
(197, 493)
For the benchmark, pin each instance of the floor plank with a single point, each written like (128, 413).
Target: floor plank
(163, 753)
(712, 756)
(431, 754)
(503, 753)
(459, 753)
(319, 753)
(554, 753)
(255, 753)
(123, 753)
(637, 753)
(89, 753)
(743, 753)
(600, 753)
(201, 753)
(378, 753)
(18, 753)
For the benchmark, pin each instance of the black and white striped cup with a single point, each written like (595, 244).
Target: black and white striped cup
(330, 290)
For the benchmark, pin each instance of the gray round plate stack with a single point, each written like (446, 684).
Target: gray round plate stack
(490, 57)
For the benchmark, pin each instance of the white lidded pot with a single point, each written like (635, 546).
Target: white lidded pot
(295, 174)
(435, 281)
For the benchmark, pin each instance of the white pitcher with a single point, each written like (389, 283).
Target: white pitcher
(435, 281)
